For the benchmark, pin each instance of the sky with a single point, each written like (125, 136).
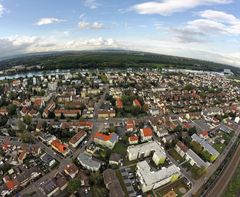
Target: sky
(202, 29)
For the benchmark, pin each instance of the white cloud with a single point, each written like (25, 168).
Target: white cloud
(27, 44)
(88, 25)
(47, 21)
(167, 7)
(92, 4)
(216, 22)
(2, 10)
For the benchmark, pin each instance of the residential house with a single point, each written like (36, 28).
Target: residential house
(77, 138)
(146, 134)
(71, 170)
(88, 162)
(206, 146)
(105, 140)
(133, 140)
(60, 147)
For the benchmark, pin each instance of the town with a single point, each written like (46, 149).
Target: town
(130, 132)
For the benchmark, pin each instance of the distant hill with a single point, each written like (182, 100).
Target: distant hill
(113, 59)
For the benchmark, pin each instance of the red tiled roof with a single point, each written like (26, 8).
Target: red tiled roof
(59, 145)
(10, 185)
(147, 132)
(204, 133)
(22, 155)
(103, 137)
(137, 103)
(133, 138)
(119, 103)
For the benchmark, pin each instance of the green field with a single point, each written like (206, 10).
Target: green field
(176, 156)
(120, 148)
(233, 188)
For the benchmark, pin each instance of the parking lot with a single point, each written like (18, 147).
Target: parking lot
(129, 180)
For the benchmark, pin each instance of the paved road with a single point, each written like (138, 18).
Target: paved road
(101, 100)
(226, 176)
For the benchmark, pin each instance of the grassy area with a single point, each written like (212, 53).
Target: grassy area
(176, 187)
(120, 178)
(176, 156)
(99, 191)
(233, 188)
(120, 148)
(187, 166)
(219, 147)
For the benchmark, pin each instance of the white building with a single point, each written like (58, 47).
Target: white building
(144, 150)
(150, 179)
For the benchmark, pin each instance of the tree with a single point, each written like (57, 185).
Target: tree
(206, 155)
(51, 115)
(197, 172)
(27, 119)
(73, 185)
(11, 109)
(196, 147)
(192, 130)
(26, 137)
(3, 120)
(96, 178)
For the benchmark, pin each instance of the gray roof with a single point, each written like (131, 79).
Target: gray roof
(87, 160)
(196, 158)
(205, 145)
(151, 177)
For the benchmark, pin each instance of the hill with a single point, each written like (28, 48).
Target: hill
(113, 59)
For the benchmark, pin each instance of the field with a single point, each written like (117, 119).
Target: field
(176, 156)
(233, 188)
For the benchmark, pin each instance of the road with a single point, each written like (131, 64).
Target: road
(226, 176)
(101, 100)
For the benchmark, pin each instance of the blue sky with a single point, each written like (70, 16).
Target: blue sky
(205, 29)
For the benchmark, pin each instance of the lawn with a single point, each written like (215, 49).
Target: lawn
(233, 187)
(219, 147)
(99, 191)
(120, 148)
(176, 156)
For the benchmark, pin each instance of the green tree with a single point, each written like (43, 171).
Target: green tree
(27, 119)
(26, 137)
(96, 178)
(11, 109)
(196, 147)
(73, 185)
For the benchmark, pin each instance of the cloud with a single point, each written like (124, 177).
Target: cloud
(27, 44)
(2, 10)
(213, 21)
(168, 7)
(219, 16)
(92, 4)
(186, 35)
(47, 21)
(88, 25)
